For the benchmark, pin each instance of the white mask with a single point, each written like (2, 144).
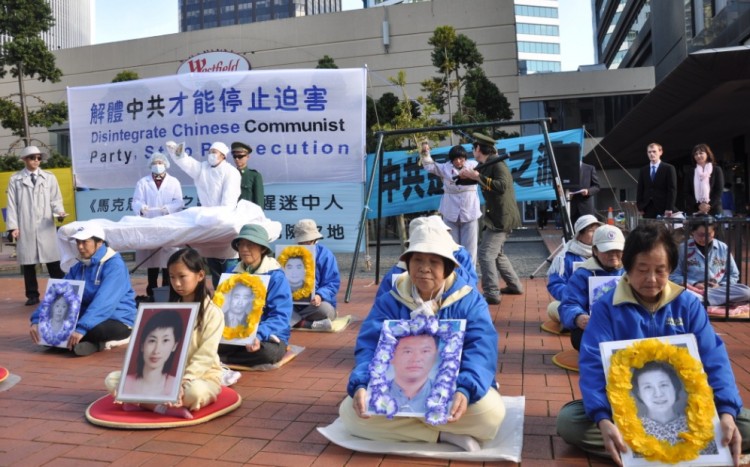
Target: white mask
(158, 169)
(213, 159)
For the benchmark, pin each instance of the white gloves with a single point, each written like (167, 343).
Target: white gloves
(174, 149)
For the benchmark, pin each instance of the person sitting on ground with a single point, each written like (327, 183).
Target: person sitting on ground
(107, 308)
(430, 287)
(646, 304)
(705, 251)
(463, 258)
(606, 261)
(202, 378)
(322, 308)
(577, 250)
(269, 345)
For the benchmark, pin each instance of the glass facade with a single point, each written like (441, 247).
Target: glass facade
(537, 11)
(537, 29)
(541, 66)
(538, 47)
(204, 14)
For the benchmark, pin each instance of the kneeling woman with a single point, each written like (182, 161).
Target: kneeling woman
(431, 287)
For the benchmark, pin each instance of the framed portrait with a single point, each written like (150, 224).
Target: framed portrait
(414, 368)
(157, 353)
(598, 286)
(58, 311)
(298, 263)
(659, 392)
(241, 297)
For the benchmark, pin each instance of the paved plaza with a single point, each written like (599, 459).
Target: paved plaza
(42, 417)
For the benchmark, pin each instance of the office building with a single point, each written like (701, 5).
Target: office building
(73, 27)
(205, 14)
(538, 36)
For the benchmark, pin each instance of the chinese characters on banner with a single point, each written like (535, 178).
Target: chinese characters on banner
(408, 188)
(306, 128)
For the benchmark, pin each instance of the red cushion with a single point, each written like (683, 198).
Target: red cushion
(4, 373)
(106, 412)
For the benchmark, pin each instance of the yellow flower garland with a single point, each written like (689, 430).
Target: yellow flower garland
(307, 259)
(699, 411)
(258, 288)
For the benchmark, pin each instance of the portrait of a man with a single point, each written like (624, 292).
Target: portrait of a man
(237, 307)
(413, 362)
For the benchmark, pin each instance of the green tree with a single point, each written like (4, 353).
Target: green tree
(409, 113)
(483, 101)
(326, 62)
(126, 75)
(25, 54)
(454, 55)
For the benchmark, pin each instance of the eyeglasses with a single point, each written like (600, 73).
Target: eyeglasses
(34, 158)
(239, 155)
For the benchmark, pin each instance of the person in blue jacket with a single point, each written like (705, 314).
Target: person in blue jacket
(108, 307)
(577, 250)
(269, 346)
(322, 308)
(606, 261)
(462, 256)
(430, 287)
(646, 304)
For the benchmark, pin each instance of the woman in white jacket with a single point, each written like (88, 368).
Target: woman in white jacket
(157, 194)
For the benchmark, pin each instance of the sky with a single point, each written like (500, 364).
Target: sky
(118, 20)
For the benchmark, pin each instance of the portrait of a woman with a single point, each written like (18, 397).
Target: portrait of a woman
(160, 341)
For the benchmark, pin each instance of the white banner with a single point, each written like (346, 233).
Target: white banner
(303, 125)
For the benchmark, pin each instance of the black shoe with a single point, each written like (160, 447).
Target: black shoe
(509, 291)
(492, 299)
(85, 348)
(32, 301)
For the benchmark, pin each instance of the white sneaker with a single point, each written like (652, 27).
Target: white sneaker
(229, 376)
(322, 325)
(112, 344)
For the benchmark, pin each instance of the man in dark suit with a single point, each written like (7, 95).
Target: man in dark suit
(657, 185)
(582, 202)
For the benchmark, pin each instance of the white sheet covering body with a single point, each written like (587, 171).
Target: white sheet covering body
(210, 230)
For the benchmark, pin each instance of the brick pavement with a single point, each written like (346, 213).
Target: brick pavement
(43, 420)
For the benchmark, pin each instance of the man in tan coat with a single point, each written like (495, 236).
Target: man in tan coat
(34, 200)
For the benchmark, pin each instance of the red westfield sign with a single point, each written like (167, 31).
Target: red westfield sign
(208, 62)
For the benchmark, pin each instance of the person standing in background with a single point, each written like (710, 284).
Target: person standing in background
(34, 200)
(251, 186)
(217, 184)
(582, 202)
(704, 183)
(501, 216)
(156, 195)
(657, 185)
(459, 205)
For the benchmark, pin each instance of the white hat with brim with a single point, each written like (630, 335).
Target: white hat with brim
(88, 231)
(430, 239)
(585, 221)
(306, 230)
(607, 238)
(30, 151)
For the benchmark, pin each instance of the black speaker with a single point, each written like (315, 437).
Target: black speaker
(568, 157)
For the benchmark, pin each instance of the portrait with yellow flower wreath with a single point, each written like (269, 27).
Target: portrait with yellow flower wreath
(662, 403)
(241, 297)
(298, 264)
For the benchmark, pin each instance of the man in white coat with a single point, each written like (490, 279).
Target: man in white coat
(217, 183)
(157, 194)
(34, 200)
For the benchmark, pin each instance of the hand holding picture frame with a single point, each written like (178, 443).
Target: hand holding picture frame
(659, 393)
(58, 311)
(298, 263)
(241, 297)
(157, 353)
(414, 369)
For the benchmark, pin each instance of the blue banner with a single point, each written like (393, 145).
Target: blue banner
(408, 188)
